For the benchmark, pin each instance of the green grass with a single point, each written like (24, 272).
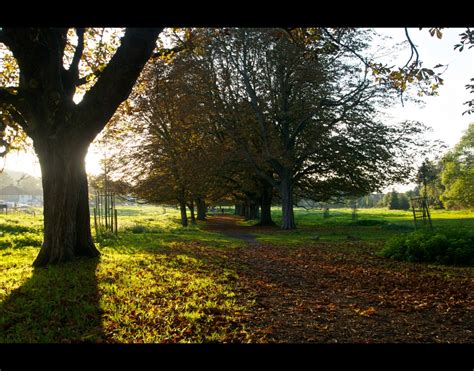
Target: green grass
(18, 230)
(373, 226)
(149, 227)
(158, 282)
(151, 287)
(314, 217)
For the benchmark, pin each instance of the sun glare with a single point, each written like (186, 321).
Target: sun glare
(28, 162)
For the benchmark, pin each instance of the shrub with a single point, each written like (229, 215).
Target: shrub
(451, 247)
(398, 227)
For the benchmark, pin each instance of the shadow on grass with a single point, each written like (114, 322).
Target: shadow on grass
(59, 304)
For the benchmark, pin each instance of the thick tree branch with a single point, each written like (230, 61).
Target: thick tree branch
(116, 81)
(74, 67)
(20, 120)
(258, 112)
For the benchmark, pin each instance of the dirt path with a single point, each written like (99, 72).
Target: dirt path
(323, 293)
(227, 225)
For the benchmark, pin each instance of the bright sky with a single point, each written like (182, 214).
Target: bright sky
(442, 113)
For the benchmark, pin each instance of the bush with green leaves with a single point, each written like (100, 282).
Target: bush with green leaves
(447, 246)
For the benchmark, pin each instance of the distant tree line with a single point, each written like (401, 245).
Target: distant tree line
(26, 182)
(447, 182)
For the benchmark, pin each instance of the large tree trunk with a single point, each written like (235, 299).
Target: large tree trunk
(266, 206)
(286, 190)
(238, 208)
(251, 210)
(201, 208)
(184, 217)
(243, 208)
(67, 231)
(191, 210)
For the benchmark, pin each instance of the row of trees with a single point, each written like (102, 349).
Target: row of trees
(259, 114)
(447, 182)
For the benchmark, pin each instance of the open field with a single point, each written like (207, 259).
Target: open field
(226, 281)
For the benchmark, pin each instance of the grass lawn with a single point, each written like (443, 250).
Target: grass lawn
(160, 283)
(144, 288)
(373, 226)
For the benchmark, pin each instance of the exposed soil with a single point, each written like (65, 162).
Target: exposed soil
(227, 225)
(342, 293)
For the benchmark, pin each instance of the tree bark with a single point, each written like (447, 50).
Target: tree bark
(201, 208)
(242, 211)
(266, 206)
(184, 217)
(238, 208)
(191, 210)
(286, 191)
(252, 211)
(251, 208)
(67, 232)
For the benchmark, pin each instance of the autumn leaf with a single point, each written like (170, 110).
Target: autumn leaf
(365, 313)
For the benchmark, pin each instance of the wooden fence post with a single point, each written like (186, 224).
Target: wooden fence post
(116, 224)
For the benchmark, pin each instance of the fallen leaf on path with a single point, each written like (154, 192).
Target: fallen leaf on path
(365, 313)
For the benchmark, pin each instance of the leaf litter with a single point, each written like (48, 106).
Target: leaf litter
(324, 293)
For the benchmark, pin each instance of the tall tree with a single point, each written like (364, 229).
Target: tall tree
(171, 155)
(393, 201)
(302, 106)
(429, 179)
(457, 175)
(42, 105)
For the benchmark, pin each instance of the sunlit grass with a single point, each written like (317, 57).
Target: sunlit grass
(373, 226)
(314, 217)
(168, 297)
(147, 287)
(157, 282)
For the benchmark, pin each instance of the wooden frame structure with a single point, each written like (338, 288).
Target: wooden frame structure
(421, 212)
